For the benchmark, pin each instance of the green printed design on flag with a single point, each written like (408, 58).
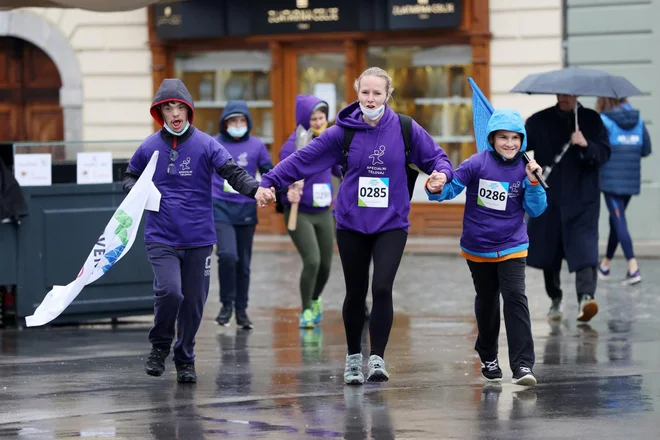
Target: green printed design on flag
(125, 222)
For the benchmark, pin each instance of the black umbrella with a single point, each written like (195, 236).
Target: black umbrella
(577, 81)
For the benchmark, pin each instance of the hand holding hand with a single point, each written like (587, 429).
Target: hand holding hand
(578, 138)
(530, 168)
(264, 196)
(436, 182)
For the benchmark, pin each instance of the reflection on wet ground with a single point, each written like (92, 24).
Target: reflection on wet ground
(596, 381)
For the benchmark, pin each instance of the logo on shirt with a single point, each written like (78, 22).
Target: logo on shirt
(184, 167)
(514, 189)
(375, 158)
(207, 267)
(242, 160)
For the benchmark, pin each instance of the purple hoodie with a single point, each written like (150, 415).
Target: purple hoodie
(374, 196)
(320, 183)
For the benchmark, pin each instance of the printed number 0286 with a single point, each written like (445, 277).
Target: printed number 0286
(492, 195)
(373, 192)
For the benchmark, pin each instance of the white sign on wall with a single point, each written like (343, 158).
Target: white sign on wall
(33, 169)
(94, 168)
(328, 93)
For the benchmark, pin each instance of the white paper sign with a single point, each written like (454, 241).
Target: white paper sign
(33, 169)
(328, 93)
(94, 168)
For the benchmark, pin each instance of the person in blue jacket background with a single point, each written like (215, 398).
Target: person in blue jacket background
(620, 177)
(236, 215)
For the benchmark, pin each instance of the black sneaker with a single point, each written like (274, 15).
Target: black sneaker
(523, 376)
(491, 371)
(185, 373)
(242, 320)
(155, 365)
(224, 316)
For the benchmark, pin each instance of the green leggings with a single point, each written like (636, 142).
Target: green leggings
(314, 239)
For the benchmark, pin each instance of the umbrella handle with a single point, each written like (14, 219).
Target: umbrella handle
(537, 174)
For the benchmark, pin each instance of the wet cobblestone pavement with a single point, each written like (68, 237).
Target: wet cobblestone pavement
(597, 381)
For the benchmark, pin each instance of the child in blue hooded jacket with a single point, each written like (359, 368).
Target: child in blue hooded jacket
(500, 189)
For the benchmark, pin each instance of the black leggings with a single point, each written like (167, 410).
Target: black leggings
(356, 251)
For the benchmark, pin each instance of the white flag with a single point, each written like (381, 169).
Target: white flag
(112, 245)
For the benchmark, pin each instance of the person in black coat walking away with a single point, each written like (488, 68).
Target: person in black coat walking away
(571, 157)
(620, 177)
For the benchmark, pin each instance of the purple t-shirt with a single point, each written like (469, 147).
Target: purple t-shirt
(185, 218)
(249, 154)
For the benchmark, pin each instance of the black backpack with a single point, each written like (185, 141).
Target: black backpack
(406, 129)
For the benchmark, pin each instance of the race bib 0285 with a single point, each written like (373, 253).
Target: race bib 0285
(374, 192)
(493, 194)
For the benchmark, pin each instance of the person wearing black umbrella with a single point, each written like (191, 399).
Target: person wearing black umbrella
(571, 150)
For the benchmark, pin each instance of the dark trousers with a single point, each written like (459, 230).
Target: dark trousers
(356, 251)
(508, 278)
(181, 286)
(234, 252)
(585, 282)
(618, 226)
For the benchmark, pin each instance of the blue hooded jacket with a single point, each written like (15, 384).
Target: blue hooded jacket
(498, 195)
(630, 141)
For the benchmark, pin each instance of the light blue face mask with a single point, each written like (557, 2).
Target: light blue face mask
(237, 132)
(372, 114)
(174, 133)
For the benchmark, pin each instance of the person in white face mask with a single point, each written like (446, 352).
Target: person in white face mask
(236, 215)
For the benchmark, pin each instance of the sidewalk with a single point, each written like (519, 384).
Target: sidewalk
(441, 245)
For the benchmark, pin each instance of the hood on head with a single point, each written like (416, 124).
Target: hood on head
(232, 108)
(624, 115)
(351, 117)
(509, 120)
(305, 106)
(171, 89)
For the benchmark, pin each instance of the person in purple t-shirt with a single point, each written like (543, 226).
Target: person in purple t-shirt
(314, 236)
(179, 237)
(500, 190)
(235, 214)
(372, 206)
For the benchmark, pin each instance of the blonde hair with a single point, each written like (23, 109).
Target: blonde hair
(380, 73)
(604, 104)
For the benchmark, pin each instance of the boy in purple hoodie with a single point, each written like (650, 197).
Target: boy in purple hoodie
(372, 207)
(179, 237)
(500, 189)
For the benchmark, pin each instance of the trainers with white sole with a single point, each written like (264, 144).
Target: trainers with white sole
(353, 370)
(377, 371)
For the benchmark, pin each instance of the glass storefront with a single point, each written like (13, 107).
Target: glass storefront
(213, 78)
(323, 75)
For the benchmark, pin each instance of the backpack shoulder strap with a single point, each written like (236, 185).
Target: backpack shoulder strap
(348, 138)
(406, 129)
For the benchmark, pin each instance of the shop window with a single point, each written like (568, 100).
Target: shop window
(213, 78)
(323, 75)
(430, 84)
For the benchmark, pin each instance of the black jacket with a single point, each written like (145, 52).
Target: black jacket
(12, 202)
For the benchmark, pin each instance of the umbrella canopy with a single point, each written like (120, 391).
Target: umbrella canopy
(91, 5)
(577, 81)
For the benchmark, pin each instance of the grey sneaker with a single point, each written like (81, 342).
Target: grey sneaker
(554, 314)
(377, 372)
(588, 308)
(353, 370)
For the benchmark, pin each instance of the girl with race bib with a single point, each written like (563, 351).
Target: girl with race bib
(500, 189)
(314, 234)
(236, 215)
(372, 206)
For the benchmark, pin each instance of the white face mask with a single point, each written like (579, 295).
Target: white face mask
(237, 132)
(372, 114)
(174, 133)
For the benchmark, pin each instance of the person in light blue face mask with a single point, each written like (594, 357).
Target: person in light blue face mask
(236, 215)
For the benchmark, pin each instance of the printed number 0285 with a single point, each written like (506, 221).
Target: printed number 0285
(492, 195)
(373, 192)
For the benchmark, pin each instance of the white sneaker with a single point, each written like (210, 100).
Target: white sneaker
(377, 372)
(588, 309)
(353, 370)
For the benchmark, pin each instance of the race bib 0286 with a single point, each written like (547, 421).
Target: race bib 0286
(374, 192)
(493, 194)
